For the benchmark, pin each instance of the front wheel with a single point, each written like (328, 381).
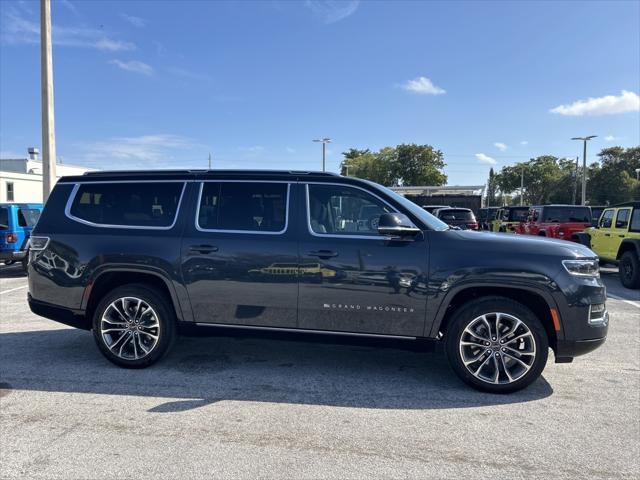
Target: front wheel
(134, 326)
(629, 269)
(496, 345)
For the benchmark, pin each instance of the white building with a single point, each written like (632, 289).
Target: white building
(21, 178)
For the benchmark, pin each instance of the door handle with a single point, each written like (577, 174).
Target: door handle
(204, 249)
(324, 254)
(607, 234)
(621, 236)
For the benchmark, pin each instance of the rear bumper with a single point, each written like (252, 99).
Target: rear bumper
(15, 255)
(59, 314)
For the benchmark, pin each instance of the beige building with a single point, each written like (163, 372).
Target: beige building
(21, 178)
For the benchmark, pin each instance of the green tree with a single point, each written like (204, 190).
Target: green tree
(612, 180)
(492, 186)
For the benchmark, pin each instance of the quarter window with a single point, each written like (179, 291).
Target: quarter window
(607, 219)
(142, 204)
(243, 206)
(335, 209)
(622, 220)
(28, 217)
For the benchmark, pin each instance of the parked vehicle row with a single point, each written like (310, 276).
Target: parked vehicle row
(136, 257)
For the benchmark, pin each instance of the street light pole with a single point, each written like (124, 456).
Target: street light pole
(522, 186)
(48, 118)
(324, 142)
(584, 166)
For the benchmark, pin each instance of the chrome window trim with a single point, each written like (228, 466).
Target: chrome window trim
(334, 235)
(250, 232)
(76, 187)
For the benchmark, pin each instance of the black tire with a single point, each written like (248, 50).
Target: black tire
(25, 264)
(166, 330)
(468, 314)
(629, 269)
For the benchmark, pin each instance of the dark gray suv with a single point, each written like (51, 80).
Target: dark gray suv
(135, 256)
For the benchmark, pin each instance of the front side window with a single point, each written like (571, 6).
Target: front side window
(28, 217)
(342, 210)
(243, 207)
(622, 219)
(607, 219)
(140, 204)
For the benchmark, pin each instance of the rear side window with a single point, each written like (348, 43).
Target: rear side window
(518, 215)
(243, 207)
(452, 215)
(4, 218)
(134, 205)
(622, 220)
(28, 217)
(635, 221)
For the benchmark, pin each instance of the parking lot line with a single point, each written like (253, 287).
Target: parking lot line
(13, 289)
(630, 302)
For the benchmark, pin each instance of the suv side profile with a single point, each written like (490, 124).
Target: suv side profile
(616, 239)
(556, 221)
(136, 256)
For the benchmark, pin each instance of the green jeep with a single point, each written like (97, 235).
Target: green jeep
(616, 239)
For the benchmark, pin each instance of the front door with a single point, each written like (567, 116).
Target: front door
(601, 236)
(240, 254)
(351, 278)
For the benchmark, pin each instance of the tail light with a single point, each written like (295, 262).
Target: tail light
(12, 238)
(473, 226)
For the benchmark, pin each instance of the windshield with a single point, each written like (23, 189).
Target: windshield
(432, 222)
(518, 214)
(565, 215)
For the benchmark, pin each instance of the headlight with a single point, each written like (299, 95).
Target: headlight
(582, 268)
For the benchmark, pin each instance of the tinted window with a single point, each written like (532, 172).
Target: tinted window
(566, 214)
(243, 206)
(336, 209)
(4, 218)
(635, 220)
(453, 215)
(142, 204)
(622, 220)
(518, 214)
(607, 218)
(425, 217)
(28, 217)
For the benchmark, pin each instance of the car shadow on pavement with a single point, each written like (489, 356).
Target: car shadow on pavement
(202, 371)
(12, 271)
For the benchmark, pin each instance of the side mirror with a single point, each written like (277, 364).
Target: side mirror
(396, 225)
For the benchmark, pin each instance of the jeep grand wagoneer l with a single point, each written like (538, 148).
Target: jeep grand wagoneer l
(132, 256)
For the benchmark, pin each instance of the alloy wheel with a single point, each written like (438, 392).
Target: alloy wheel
(497, 348)
(130, 328)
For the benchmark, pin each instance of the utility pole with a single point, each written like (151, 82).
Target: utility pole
(522, 186)
(48, 118)
(575, 183)
(209, 160)
(324, 142)
(584, 166)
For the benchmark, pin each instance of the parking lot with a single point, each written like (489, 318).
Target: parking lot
(252, 407)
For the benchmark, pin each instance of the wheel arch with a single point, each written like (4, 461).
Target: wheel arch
(629, 244)
(109, 279)
(540, 303)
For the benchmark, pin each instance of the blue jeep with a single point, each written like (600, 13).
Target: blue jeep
(16, 222)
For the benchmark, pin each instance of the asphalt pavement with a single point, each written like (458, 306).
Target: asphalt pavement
(271, 407)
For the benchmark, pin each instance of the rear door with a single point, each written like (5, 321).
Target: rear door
(351, 278)
(240, 255)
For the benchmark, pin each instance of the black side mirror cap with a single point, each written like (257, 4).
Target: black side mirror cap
(396, 225)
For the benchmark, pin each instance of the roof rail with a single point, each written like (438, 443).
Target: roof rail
(204, 170)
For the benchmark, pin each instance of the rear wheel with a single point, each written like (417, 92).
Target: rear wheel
(496, 345)
(629, 269)
(134, 326)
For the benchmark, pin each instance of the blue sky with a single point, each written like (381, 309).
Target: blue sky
(162, 84)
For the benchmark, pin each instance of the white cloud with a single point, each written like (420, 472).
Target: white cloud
(607, 105)
(133, 152)
(485, 159)
(422, 85)
(134, 66)
(610, 138)
(500, 146)
(135, 21)
(524, 142)
(188, 74)
(332, 11)
(16, 29)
